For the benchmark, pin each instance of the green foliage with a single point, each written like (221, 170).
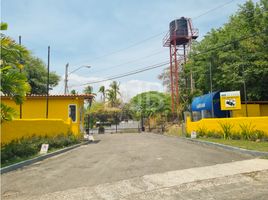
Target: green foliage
(226, 130)
(7, 113)
(88, 89)
(201, 131)
(150, 104)
(27, 147)
(74, 92)
(246, 130)
(21, 73)
(236, 135)
(237, 52)
(102, 91)
(112, 94)
(36, 72)
(13, 83)
(3, 26)
(104, 113)
(244, 58)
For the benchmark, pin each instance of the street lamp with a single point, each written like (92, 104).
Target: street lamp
(68, 73)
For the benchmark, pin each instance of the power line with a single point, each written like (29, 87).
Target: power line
(167, 62)
(156, 35)
(231, 42)
(125, 74)
(213, 9)
(129, 62)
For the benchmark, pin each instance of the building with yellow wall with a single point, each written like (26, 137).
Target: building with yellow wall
(59, 107)
(254, 109)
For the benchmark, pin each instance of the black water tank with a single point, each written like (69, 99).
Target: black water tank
(179, 29)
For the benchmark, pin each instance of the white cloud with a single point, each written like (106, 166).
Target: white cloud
(133, 87)
(128, 89)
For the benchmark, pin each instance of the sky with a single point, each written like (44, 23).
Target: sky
(113, 37)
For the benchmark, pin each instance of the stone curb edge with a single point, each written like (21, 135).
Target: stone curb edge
(230, 148)
(223, 146)
(37, 159)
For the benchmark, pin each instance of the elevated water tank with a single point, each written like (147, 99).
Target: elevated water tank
(179, 29)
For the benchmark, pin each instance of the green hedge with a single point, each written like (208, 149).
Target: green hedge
(246, 132)
(24, 148)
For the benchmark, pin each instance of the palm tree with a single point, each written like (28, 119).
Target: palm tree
(88, 90)
(115, 87)
(102, 91)
(112, 93)
(13, 83)
(73, 92)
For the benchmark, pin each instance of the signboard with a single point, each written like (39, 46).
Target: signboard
(91, 138)
(44, 148)
(193, 134)
(230, 100)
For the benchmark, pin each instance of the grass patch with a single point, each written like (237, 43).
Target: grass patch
(245, 144)
(174, 130)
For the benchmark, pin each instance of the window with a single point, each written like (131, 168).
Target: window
(72, 112)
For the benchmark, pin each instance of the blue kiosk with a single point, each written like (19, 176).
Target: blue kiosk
(207, 106)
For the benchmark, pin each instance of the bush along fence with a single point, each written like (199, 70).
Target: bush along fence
(246, 128)
(27, 147)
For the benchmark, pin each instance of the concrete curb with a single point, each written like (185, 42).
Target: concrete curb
(222, 146)
(227, 147)
(37, 159)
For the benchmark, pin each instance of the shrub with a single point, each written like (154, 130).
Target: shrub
(201, 131)
(226, 130)
(236, 135)
(27, 147)
(257, 134)
(247, 131)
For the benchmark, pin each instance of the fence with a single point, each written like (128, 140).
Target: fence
(122, 127)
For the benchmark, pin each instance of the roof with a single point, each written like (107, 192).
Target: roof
(84, 96)
(203, 102)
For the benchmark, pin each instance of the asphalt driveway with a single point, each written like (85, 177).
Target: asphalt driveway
(113, 158)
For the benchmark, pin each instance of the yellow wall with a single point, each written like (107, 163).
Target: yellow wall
(264, 109)
(259, 123)
(28, 127)
(35, 107)
(253, 111)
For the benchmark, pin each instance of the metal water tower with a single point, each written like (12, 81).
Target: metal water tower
(179, 39)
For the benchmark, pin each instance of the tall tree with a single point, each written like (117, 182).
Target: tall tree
(150, 103)
(36, 72)
(88, 89)
(13, 83)
(112, 94)
(73, 92)
(239, 53)
(102, 91)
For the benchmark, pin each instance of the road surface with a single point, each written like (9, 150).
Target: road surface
(140, 166)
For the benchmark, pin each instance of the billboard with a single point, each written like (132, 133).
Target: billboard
(230, 100)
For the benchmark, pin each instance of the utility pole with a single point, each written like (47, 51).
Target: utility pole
(245, 92)
(66, 79)
(20, 72)
(210, 77)
(48, 61)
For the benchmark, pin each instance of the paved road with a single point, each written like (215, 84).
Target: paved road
(114, 158)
